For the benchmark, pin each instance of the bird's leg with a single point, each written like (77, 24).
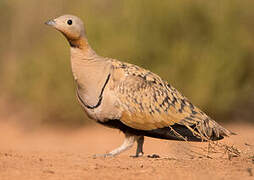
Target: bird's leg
(128, 143)
(140, 142)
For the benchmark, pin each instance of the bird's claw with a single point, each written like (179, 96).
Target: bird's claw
(103, 155)
(140, 154)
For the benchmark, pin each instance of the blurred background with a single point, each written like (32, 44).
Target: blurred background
(203, 48)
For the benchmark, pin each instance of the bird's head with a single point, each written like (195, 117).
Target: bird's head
(71, 26)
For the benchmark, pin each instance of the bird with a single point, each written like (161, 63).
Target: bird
(132, 99)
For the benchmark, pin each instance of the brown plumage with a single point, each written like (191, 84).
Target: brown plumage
(130, 98)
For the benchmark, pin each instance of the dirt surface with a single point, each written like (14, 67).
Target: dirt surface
(51, 154)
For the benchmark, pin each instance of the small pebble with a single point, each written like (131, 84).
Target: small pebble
(153, 156)
(250, 171)
(49, 171)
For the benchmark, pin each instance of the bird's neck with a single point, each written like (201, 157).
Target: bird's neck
(81, 43)
(90, 72)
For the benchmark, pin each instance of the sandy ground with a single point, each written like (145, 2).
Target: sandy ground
(52, 154)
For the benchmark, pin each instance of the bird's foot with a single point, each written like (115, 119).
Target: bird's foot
(103, 155)
(140, 154)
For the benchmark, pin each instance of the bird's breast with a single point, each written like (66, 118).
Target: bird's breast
(107, 109)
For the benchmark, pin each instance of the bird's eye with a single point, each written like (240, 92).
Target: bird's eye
(69, 22)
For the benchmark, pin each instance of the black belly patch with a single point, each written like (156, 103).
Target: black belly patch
(161, 133)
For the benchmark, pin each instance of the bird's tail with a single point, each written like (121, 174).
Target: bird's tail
(208, 129)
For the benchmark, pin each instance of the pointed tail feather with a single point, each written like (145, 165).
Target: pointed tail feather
(211, 130)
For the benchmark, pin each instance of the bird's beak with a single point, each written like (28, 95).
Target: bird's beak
(51, 22)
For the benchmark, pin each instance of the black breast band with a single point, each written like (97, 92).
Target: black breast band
(100, 97)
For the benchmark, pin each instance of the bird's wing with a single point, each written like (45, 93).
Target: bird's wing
(147, 102)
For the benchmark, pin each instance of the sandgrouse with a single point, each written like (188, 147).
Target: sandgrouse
(127, 97)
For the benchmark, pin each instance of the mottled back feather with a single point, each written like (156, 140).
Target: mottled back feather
(149, 103)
